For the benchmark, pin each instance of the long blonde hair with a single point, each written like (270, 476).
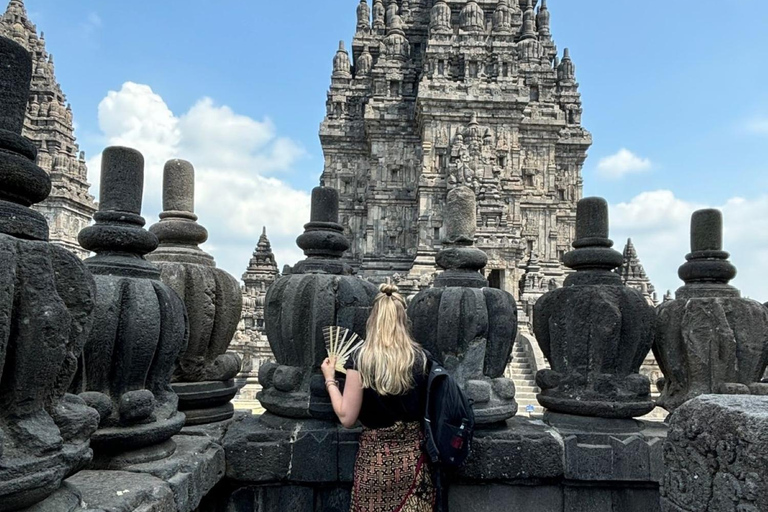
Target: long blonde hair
(387, 356)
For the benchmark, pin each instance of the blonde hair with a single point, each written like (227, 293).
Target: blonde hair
(386, 358)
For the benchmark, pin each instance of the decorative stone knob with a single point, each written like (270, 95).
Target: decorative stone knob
(140, 325)
(319, 292)
(205, 371)
(709, 339)
(46, 305)
(468, 326)
(594, 331)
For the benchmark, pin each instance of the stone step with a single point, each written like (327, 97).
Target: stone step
(521, 365)
(523, 396)
(527, 389)
(521, 371)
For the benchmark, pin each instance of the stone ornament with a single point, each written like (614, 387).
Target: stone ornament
(140, 325)
(594, 331)
(205, 372)
(46, 301)
(320, 291)
(710, 339)
(464, 323)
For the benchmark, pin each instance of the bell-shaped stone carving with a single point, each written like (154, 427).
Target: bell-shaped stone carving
(710, 339)
(46, 301)
(465, 324)
(320, 291)
(594, 331)
(205, 373)
(140, 325)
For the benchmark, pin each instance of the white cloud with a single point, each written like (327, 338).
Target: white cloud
(758, 126)
(236, 159)
(622, 163)
(659, 224)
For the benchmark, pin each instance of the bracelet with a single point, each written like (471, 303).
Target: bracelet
(331, 382)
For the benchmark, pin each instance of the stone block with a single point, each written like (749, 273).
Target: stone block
(503, 498)
(122, 491)
(716, 455)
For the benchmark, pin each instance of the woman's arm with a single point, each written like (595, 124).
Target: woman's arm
(347, 405)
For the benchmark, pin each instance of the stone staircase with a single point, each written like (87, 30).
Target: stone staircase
(521, 371)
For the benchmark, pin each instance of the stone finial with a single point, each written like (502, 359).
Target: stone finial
(205, 371)
(341, 65)
(46, 305)
(319, 291)
(440, 17)
(529, 23)
(460, 259)
(566, 71)
(23, 183)
(379, 16)
(543, 20)
(140, 325)
(709, 339)
(502, 18)
(473, 342)
(363, 16)
(323, 241)
(594, 331)
(364, 63)
(472, 17)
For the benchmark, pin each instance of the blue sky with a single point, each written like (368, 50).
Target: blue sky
(678, 86)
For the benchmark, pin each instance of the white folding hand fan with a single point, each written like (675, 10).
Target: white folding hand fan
(340, 342)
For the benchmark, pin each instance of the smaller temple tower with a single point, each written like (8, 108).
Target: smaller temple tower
(633, 274)
(49, 125)
(250, 340)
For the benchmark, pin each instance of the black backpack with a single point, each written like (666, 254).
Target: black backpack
(449, 421)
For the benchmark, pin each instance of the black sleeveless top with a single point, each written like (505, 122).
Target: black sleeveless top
(380, 411)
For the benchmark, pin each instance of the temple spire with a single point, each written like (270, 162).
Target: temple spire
(633, 273)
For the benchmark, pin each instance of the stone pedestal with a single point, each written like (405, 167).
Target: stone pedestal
(140, 325)
(320, 292)
(595, 332)
(46, 305)
(204, 375)
(464, 323)
(710, 339)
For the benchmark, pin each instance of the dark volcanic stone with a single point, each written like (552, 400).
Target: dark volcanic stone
(46, 302)
(594, 331)
(319, 292)
(212, 298)
(709, 340)
(716, 456)
(140, 324)
(467, 326)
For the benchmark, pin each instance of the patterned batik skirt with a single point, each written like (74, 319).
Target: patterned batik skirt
(391, 472)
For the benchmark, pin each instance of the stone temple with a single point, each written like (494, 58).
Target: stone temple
(435, 95)
(117, 372)
(49, 124)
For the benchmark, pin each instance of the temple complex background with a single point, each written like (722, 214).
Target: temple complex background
(429, 98)
(49, 124)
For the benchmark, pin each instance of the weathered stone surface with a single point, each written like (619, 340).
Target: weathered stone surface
(465, 324)
(49, 124)
(716, 455)
(710, 340)
(46, 301)
(195, 467)
(594, 331)
(140, 323)
(320, 292)
(271, 449)
(122, 491)
(204, 375)
(442, 96)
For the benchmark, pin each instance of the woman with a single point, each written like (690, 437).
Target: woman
(386, 390)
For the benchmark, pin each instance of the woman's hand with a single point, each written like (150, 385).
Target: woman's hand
(329, 368)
